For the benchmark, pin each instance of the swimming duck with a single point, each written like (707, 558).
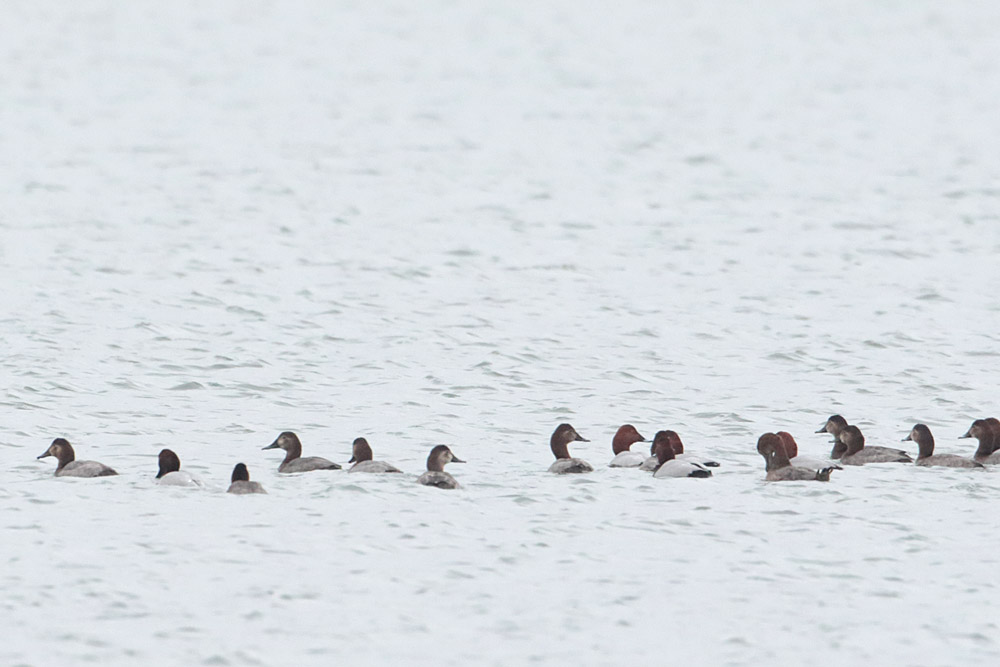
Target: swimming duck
(921, 435)
(982, 431)
(69, 466)
(435, 475)
(669, 465)
(362, 459)
(294, 461)
(858, 454)
(170, 472)
(241, 482)
(626, 436)
(559, 442)
(780, 469)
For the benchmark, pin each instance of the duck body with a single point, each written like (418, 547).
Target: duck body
(628, 459)
(85, 469)
(570, 467)
(179, 478)
(876, 455)
(791, 473)
(440, 479)
(859, 454)
(813, 463)
(307, 464)
(373, 466)
(676, 468)
(695, 458)
(241, 484)
(241, 487)
(948, 461)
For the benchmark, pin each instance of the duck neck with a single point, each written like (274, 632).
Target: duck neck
(778, 459)
(294, 451)
(66, 456)
(559, 447)
(435, 463)
(926, 447)
(362, 452)
(622, 443)
(987, 442)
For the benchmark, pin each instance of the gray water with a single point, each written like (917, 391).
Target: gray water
(465, 223)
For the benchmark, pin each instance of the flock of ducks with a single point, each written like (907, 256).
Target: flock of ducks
(170, 465)
(667, 457)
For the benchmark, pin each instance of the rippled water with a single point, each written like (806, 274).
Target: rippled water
(462, 223)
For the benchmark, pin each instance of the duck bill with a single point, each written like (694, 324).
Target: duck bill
(454, 459)
(42, 456)
(907, 439)
(353, 459)
(967, 435)
(822, 429)
(273, 445)
(580, 438)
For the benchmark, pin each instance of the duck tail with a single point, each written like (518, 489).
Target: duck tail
(824, 474)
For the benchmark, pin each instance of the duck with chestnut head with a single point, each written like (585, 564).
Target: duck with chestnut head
(621, 444)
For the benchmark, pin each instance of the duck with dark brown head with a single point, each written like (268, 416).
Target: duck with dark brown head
(170, 472)
(834, 425)
(559, 442)
(240, 482)
(983, 431)
(294, 461)
(858, 454)
(361, 457)
(435, 475)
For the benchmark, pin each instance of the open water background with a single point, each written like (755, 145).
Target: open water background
(463, 223)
